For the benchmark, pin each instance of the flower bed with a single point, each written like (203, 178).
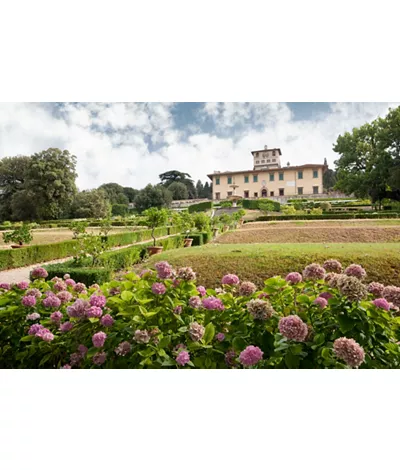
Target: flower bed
(324, 317)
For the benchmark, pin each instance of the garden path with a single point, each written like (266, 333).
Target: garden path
(22, 274)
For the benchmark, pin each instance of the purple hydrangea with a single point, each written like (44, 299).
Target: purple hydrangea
(142, 336)
(67, 366)
(94, 312)
(80, 288)
(294, 278)
(28, 301)
(326, 295)
(202, 291)
(35, 292)
(98, 339)
(78, 309)
(98, 301)
(196, 331)
(293, 328)
(70, 282)
(230, 279)
(107, 320)
(220, 337)
(392, 294)
(332, 266)
(321, 302)
(33, 316)
(247, 288)
(56, 316)
(349, 351)
(314, 271)
(64, 296)
(355, 270)
(164, 270)
(213, 303)
(230, 357)
(195, 302)
(35, 328)
(82, 349)
(38, 273)
(260, 309)
(99, 358)
(382, 303)
(47, 336)
(66, 276)
(187, 274)
(66, 326)
(23, 285)
(158, 288)
(123, 348)
(52, 301)
(75, 359)
(250, 356)
(5, 286)
(60, 286)
(178, 310)
(183, 358)
(376, 289)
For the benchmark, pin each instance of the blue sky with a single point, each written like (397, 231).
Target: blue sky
(132, 143)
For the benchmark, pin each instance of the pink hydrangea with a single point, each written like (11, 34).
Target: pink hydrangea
(78, 309)
(349, 351)
(98, 301)
(41, 332)
(195, 302)
(164, 270)
(60, 286)
(332, 266)
(142, 336)
(56, 316)
(35, 328)
(28, 301)
(321, 302)
(79, 287)
(23, 285)
(230, 279)
(145, 273)
(196, 331)
(66, 276)
(376, 289)
(95, 286)
(355, 270)
(51, 302)
(64, 296)
(38, 273)
(293, 328)
(123, 348)
(202, 291)
(107, 320)
(326, 295)
(158, 288)
(382, 303)
(75, 359)
(47, 336)
(94, 312)
(33, 316)
(314, 271)
(99, 358)
(213, 303)
(392, 294)
(35, 292)
(183, 358)
(230, 357)
(178, 310)
(250, 356)
(220, 337)
(5, 286)
(260, 309)
(82, 349)
(98, 339)
(187, 274)
(115, 291)
(247, 288)
(66, 326)
(179, 347)
(67, 366)
(56, 279)
(294, 278)
(70, 282)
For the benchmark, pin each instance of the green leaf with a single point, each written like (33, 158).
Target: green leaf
(126, 295)
(146, 353)
(239, 344)
(326, 353)
(127, 285)
(303, 299)
(25, 339)
(209, 333)
(292, 361)
(346, 324)
(182, 329)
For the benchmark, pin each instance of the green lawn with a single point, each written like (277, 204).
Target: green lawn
(257, 262)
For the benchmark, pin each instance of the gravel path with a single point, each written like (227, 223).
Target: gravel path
(22, 274)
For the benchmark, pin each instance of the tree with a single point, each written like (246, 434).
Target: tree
(155, 218)
(179, 191)
(12, 179)
(115, 193)
(23, 205)
(119, 209)
(91, 204)
(173, 176)
(369, 163)
(207, 192)
(329, 179)
(199, 189)
(130, 193)
(153, 196)
(51, 177)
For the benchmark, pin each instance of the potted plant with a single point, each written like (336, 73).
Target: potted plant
(185, 222)
(215, 225)
(105, 228)
(20, 235)
(155, 218)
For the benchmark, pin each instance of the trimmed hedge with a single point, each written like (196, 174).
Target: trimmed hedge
(200, 207)
(254, 204)
(86, 275)
(200, 238)
(266, 218)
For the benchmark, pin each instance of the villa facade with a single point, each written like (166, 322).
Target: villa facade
(269, 179)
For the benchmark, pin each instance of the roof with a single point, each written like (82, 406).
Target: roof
(267, 150)
(283, 168)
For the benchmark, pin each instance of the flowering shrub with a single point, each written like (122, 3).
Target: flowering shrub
(162, 319)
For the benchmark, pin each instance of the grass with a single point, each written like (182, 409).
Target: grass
(257, 262)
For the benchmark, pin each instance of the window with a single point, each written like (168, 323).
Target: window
(315, 189)
(229, 193)
(257, 162)
(271, 193)
(299, 190)
(246, 194)
(273, 153)
(264, 193)
(300, 175)
(271, 177)
(281, 192)
(229, 179)
(246, 179)
(255, 194)
(274, 159)
(268, 161)
(315, 174)
(262, 161)
(217, 196)
(255, 178)
(217, 181)
(280, 176)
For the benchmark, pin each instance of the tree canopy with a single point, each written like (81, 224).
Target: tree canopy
(175, 176)
(179, 191)
(91, 204)
(153, 196)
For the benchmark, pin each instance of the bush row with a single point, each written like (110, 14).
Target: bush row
(254, 204)
(200, 238)
(200, 207)
(266, 218)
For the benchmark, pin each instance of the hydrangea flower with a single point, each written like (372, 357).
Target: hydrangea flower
(65, 327)
(98, 339)
(5, 286)
(250, 356)
(22, 285)
(213, 303)
(94, 286)
(179, 347)
(332, 266)
(351, 287)
(75, 359)
(382, 303)
(80, 288)
(142, 336)
(183, 358)
(64, 296)
(247, 288)
(355, 270)
(158, 288)
(35, 328)
(326, 295)
(195, 302)
(220, 337)
(66, 276)
(70, 282)
(202, 291)
(38, 273)
(260, 309)
(230, 280)
(294, 278)
(33, 316)
(187, 274)
(349, 351)
(392, 294)
(56, 316)
(60, 286)
(99, 358)
(164, 270)
(78, 309)
(123, 348)
(45, 335)
(196, 331)
(94, 312)
(331, 279)
(178, 310)
(314, 271)
(51, 302)
(28, 301)
(230, 357)
(67, 366)
(145, 273)
(82, 349)
(376, 289)
(97, 301)
(35, 292)
(115, 291)
(107, 320)
(293, 328)
(321, 302)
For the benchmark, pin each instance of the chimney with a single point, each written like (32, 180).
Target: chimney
(265, 147)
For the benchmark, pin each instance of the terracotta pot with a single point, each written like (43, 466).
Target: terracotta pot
(188, 242)
(154, 250)
(17, 246)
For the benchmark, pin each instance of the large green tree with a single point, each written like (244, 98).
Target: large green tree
(179, 191)
(153, 196)
(130, 193)
(12, 179)
(91, 204)
(369, 163)
(175, 176)
(115, 193)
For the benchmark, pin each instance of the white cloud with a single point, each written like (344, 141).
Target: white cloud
(116, 141)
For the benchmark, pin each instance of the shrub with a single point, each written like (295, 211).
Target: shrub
(20, 235)
(254, 204)
(201, 222)
(78, 228)
(155, 218)
(267, 218)
(226, 204)
(86, 275)
(150, 321)
(119, 209)
(200, 207)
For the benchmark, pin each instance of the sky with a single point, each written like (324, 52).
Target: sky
(133, 143)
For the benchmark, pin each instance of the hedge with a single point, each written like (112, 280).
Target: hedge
(200, 207)
(254, 204)
(200, 238)
(266, 218)
(86, 275)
